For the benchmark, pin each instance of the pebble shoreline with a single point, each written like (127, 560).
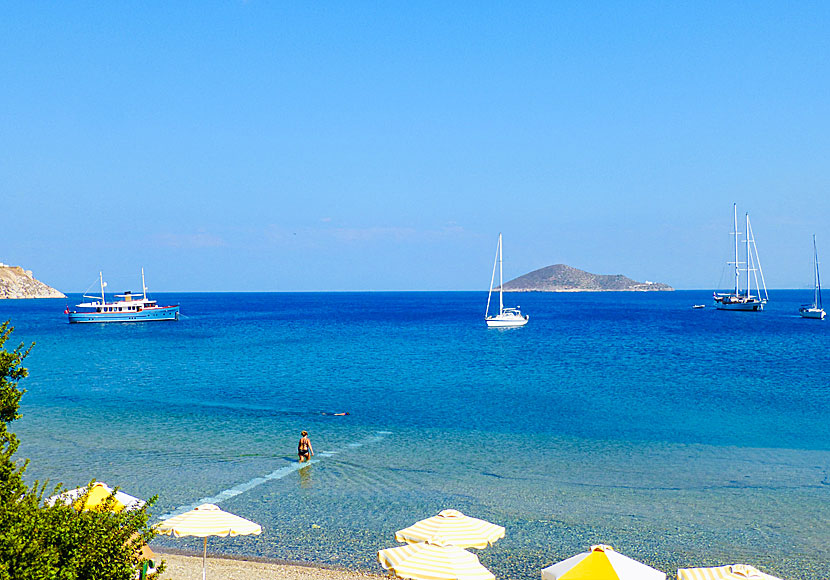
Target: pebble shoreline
(183, 567)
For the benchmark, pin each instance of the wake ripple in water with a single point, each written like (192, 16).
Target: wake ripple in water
(276, 474)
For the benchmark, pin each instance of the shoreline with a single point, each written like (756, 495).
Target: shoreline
(186, 565)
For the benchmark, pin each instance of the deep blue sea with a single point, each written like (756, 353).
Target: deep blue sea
(681, 437)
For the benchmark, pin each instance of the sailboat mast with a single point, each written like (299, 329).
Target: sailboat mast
(746, 241)
(501, 281)
(735, 233)
(492, 279)
(101, 277)
(143, 286)
(817, 297)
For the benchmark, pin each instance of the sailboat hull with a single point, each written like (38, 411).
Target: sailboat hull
(816, 313)
(743, 306)
(502, 321)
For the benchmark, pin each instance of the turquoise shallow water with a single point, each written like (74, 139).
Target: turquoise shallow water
(681, 437)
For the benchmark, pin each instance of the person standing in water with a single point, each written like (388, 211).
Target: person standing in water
(304, 449)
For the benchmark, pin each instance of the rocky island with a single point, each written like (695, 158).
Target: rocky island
(15, 282)
(562, 278)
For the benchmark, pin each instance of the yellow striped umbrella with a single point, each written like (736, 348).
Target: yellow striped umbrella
(453, 527)
(601, 563)
(207, 520)
(732, 572)
(433, 560)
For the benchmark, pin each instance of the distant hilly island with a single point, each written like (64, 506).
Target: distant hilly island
(563, 278)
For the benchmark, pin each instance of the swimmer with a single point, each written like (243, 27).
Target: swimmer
(304, 449)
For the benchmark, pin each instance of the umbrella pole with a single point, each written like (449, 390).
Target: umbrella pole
(204, 559)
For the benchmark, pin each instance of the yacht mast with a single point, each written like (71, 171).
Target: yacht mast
(817, 298)
(101, 276)
(492, 279)
(143, 286)
(748, 278)
(501, 281)
(735, 233)
(756, 260)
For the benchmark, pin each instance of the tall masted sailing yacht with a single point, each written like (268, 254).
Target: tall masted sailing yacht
(814, 310)
(744, 300)
(506, 317)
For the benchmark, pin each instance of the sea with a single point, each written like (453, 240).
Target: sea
(681, 437)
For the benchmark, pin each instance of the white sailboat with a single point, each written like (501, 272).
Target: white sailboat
(507, 317)
(744, 300)
(815, 309)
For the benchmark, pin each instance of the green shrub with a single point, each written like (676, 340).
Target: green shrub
(57, 542)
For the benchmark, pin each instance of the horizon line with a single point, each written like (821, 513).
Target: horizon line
(367, 291)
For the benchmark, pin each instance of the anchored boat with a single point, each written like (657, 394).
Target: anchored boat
(131, 308)
(744, 300)
(814, 310)
(507, 317)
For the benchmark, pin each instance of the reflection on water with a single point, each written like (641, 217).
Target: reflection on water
(305, 473)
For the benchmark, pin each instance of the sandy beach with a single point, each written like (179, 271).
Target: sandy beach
(181, 567)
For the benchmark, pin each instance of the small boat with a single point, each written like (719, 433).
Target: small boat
(696, 306)
(507, 317)
(744, 300)
(131, 308)
(815, 309)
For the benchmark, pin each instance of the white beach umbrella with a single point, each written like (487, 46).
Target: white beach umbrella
(433, 560)
(731, 572)
(601, 563)
(453, 527)
(95, 496)
(207, 520)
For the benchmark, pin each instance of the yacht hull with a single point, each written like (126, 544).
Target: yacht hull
(149, 314)
(499, 322)
(746, 307)
(815, 313)
(741, 304)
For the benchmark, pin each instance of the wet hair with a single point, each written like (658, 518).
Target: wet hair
(304, 433)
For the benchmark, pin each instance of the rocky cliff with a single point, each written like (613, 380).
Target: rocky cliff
(562, 278)
(15, 282)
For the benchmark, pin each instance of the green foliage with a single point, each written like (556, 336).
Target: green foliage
(11, 372)
(57, 542)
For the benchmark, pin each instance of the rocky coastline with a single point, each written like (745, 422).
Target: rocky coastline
(15, 282)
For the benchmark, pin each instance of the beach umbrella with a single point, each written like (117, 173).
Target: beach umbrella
(207, 520)
(87, 498)
(453, 527)
(601, 563)
(433, 560)
(732, 572)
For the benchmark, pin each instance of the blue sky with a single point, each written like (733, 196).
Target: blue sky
(292, 146)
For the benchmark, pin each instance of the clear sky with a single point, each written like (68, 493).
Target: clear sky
(292, 146)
